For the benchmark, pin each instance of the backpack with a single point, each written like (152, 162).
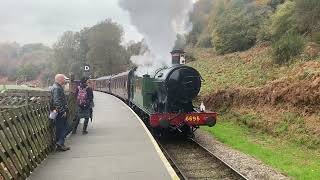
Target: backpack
(82, 96)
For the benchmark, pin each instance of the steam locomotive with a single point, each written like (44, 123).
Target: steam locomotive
(163, 98)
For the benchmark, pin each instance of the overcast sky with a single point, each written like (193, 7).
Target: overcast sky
(29, 21)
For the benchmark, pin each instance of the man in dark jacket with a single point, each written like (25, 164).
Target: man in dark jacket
(59, 103)
(84, 109)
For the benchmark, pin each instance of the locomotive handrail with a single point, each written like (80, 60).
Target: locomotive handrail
(158, 70)
(203, 80)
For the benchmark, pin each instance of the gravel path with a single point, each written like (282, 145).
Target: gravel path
(245, 164)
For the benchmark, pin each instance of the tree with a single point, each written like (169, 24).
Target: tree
(199, 19)
(66, 53)
(236, 26)
(134, 48)
(283, 20)
(106, 55)
(27, 61)
(99, 46)
(9, 51)
(28, 72)
(288, 46)
(274, 3)
(308, 15)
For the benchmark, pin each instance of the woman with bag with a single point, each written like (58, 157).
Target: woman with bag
(84, 95)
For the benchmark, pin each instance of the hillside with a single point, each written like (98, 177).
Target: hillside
(275, 108)
(24, 63)
(260, 62)
(230, 26)
(250, 82)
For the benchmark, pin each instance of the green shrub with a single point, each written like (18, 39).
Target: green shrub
(317, 37)
(283, 20)
(205, 41)
(235, 30)
(308, 15)
(287, 47)
(264, 33)
(275, 3)
(28, 72)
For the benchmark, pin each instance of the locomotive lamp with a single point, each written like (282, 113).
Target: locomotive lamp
(178, 57)
(164, 122)
(211, 121)
(202, 107)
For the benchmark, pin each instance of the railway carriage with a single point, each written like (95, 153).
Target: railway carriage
(163, 98)
(103, 84)
(119, 85)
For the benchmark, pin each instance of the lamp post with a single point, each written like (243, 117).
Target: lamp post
(86, 70)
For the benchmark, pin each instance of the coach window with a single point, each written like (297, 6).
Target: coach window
(122, 82)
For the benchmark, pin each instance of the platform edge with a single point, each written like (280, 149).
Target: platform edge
(164, 160)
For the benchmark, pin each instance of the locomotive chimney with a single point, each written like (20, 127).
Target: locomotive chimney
(178, 57)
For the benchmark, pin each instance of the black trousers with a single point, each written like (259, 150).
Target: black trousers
(76, 124)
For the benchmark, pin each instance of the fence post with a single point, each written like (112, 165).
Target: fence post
(72, 84)
(28, 97)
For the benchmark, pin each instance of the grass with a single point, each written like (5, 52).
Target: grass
(289, 126)
(15, 87)
(289, 158)
(237, 70)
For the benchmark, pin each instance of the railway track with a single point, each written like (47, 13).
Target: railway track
(193, 161)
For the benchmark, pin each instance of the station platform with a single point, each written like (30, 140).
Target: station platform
(117, 147)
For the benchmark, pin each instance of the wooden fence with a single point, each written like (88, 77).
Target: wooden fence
(26, 135)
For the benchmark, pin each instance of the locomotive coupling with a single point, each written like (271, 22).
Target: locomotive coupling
(211, 121)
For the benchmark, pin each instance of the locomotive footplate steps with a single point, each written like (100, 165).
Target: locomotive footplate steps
(117, 147)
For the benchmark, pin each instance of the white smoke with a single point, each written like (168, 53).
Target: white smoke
(159, 21)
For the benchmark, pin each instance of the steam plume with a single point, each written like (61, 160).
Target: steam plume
(159, 21)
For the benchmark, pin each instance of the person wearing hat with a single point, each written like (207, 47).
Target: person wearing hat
(84, 95)
(59, 104)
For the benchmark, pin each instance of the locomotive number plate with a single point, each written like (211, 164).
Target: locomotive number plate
(192, 118)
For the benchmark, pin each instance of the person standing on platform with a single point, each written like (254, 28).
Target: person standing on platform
(59, 104)
(84, 96)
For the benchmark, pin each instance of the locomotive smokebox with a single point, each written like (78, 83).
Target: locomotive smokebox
(178, 57)
(183, 84)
